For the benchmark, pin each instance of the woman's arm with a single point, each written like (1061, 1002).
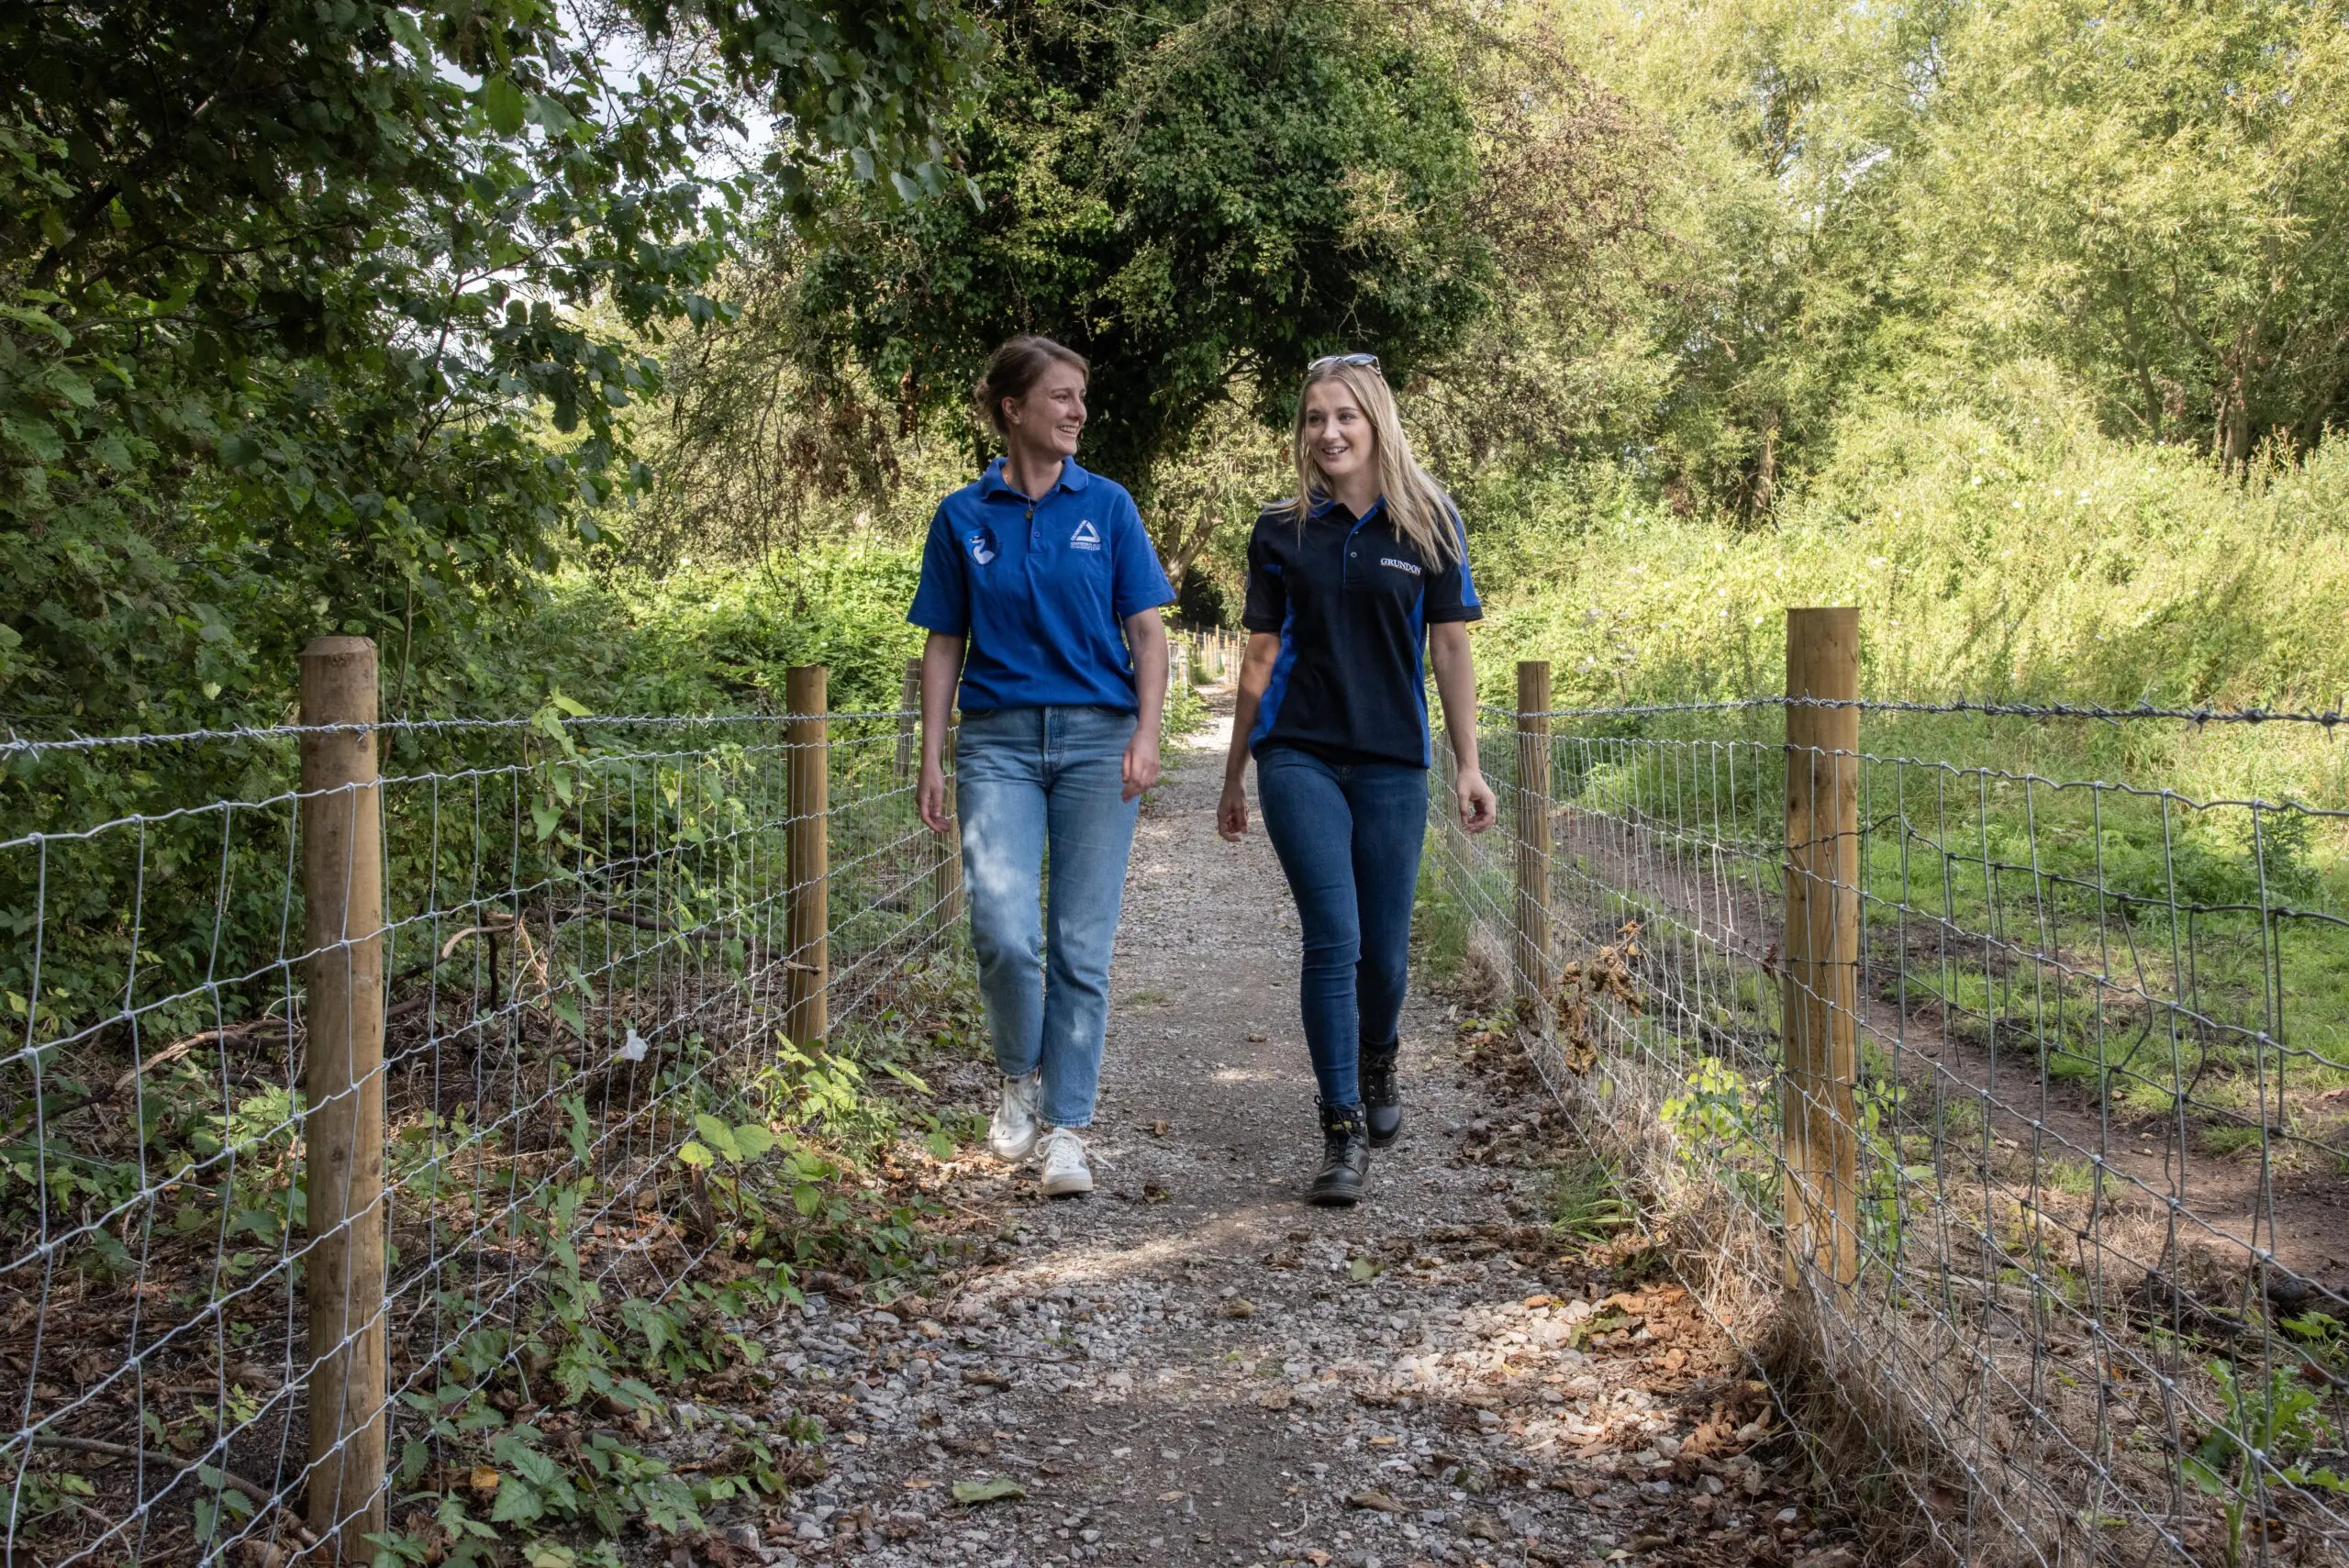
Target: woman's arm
(1146, 636)
(941, 668)
(1255, 674)
(1455, 683)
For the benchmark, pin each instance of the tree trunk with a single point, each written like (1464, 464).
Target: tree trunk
(2231, 436)
(1765, 488)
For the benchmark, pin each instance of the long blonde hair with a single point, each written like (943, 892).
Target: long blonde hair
(1420, 511)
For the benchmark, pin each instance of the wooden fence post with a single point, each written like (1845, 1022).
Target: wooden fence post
(808, 853)
(908, 721)
(342, 1081)
(946, 877)
(1533, 957)
(1822, 933)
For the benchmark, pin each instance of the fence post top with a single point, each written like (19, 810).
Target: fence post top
(338, 647)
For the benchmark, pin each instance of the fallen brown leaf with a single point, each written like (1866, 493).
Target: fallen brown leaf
(1371, 1497)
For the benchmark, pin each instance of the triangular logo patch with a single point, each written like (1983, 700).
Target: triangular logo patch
(1087, 536)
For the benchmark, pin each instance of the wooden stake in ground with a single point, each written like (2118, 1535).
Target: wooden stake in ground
(908, 721)
(343, 1131)
(808, 930)
(946, 876)
(1533, 946)
(1822, 945)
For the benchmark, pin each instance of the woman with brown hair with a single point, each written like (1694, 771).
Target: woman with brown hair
(1041, 592)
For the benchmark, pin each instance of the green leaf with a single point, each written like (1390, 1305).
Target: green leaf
(694, 1155)
(753, 1139)
(504, 103)
(718, 1135)
(998, 1489)
(406, 33)
(910, 1080)
(516, 1501)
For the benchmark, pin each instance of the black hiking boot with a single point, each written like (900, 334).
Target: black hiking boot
(1344, 1175)
(1382, 1097)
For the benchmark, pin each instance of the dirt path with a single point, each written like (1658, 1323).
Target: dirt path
(1193, 1367)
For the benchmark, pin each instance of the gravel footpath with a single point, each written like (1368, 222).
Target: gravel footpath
(1193, 1367)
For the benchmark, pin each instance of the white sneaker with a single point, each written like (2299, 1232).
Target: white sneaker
(1065, 1173)
(1012, 1134)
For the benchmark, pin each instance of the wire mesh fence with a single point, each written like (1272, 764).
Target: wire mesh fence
(593, 935)
(2001, 1109)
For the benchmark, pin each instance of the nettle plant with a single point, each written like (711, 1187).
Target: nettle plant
(505, 1453)
(2267, 1432)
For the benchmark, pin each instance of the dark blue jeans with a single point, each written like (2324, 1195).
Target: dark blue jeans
(1348, 836)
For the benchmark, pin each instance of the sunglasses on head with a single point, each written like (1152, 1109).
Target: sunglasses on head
(1326, 361)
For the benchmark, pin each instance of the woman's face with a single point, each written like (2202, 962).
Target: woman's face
(1337, 432)
(1050, 417)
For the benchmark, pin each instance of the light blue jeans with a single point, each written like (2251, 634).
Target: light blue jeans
(1028, 780)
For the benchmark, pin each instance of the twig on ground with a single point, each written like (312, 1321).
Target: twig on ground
(179, 1467)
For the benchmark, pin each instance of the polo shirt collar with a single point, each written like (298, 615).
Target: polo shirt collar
(1326, 505)
(1073, 479)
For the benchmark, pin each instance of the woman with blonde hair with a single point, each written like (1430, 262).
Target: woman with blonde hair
(1352, 586)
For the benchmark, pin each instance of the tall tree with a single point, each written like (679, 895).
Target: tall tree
(293, 325)
(2156, 195)
(1199, 196)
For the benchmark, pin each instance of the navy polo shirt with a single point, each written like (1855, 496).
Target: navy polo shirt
(1042, 588)
(1351, 600)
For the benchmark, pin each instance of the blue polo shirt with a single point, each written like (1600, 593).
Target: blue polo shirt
(1042, 588)
(1351, 599)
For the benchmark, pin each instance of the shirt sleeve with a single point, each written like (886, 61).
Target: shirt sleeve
(1138, 582)
(942, 601)
(1452, 589)
(1266, 608)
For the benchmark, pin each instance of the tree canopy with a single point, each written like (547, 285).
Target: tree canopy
(317, 316)
(1199, 197)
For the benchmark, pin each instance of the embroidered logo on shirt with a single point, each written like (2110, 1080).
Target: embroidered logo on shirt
(1410, 566)
(983, 546)
(1087, 536)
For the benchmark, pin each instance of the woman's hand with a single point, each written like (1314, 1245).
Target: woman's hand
(930, 795)
(1479, 808)
(1232, 812)
(1142, 760)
